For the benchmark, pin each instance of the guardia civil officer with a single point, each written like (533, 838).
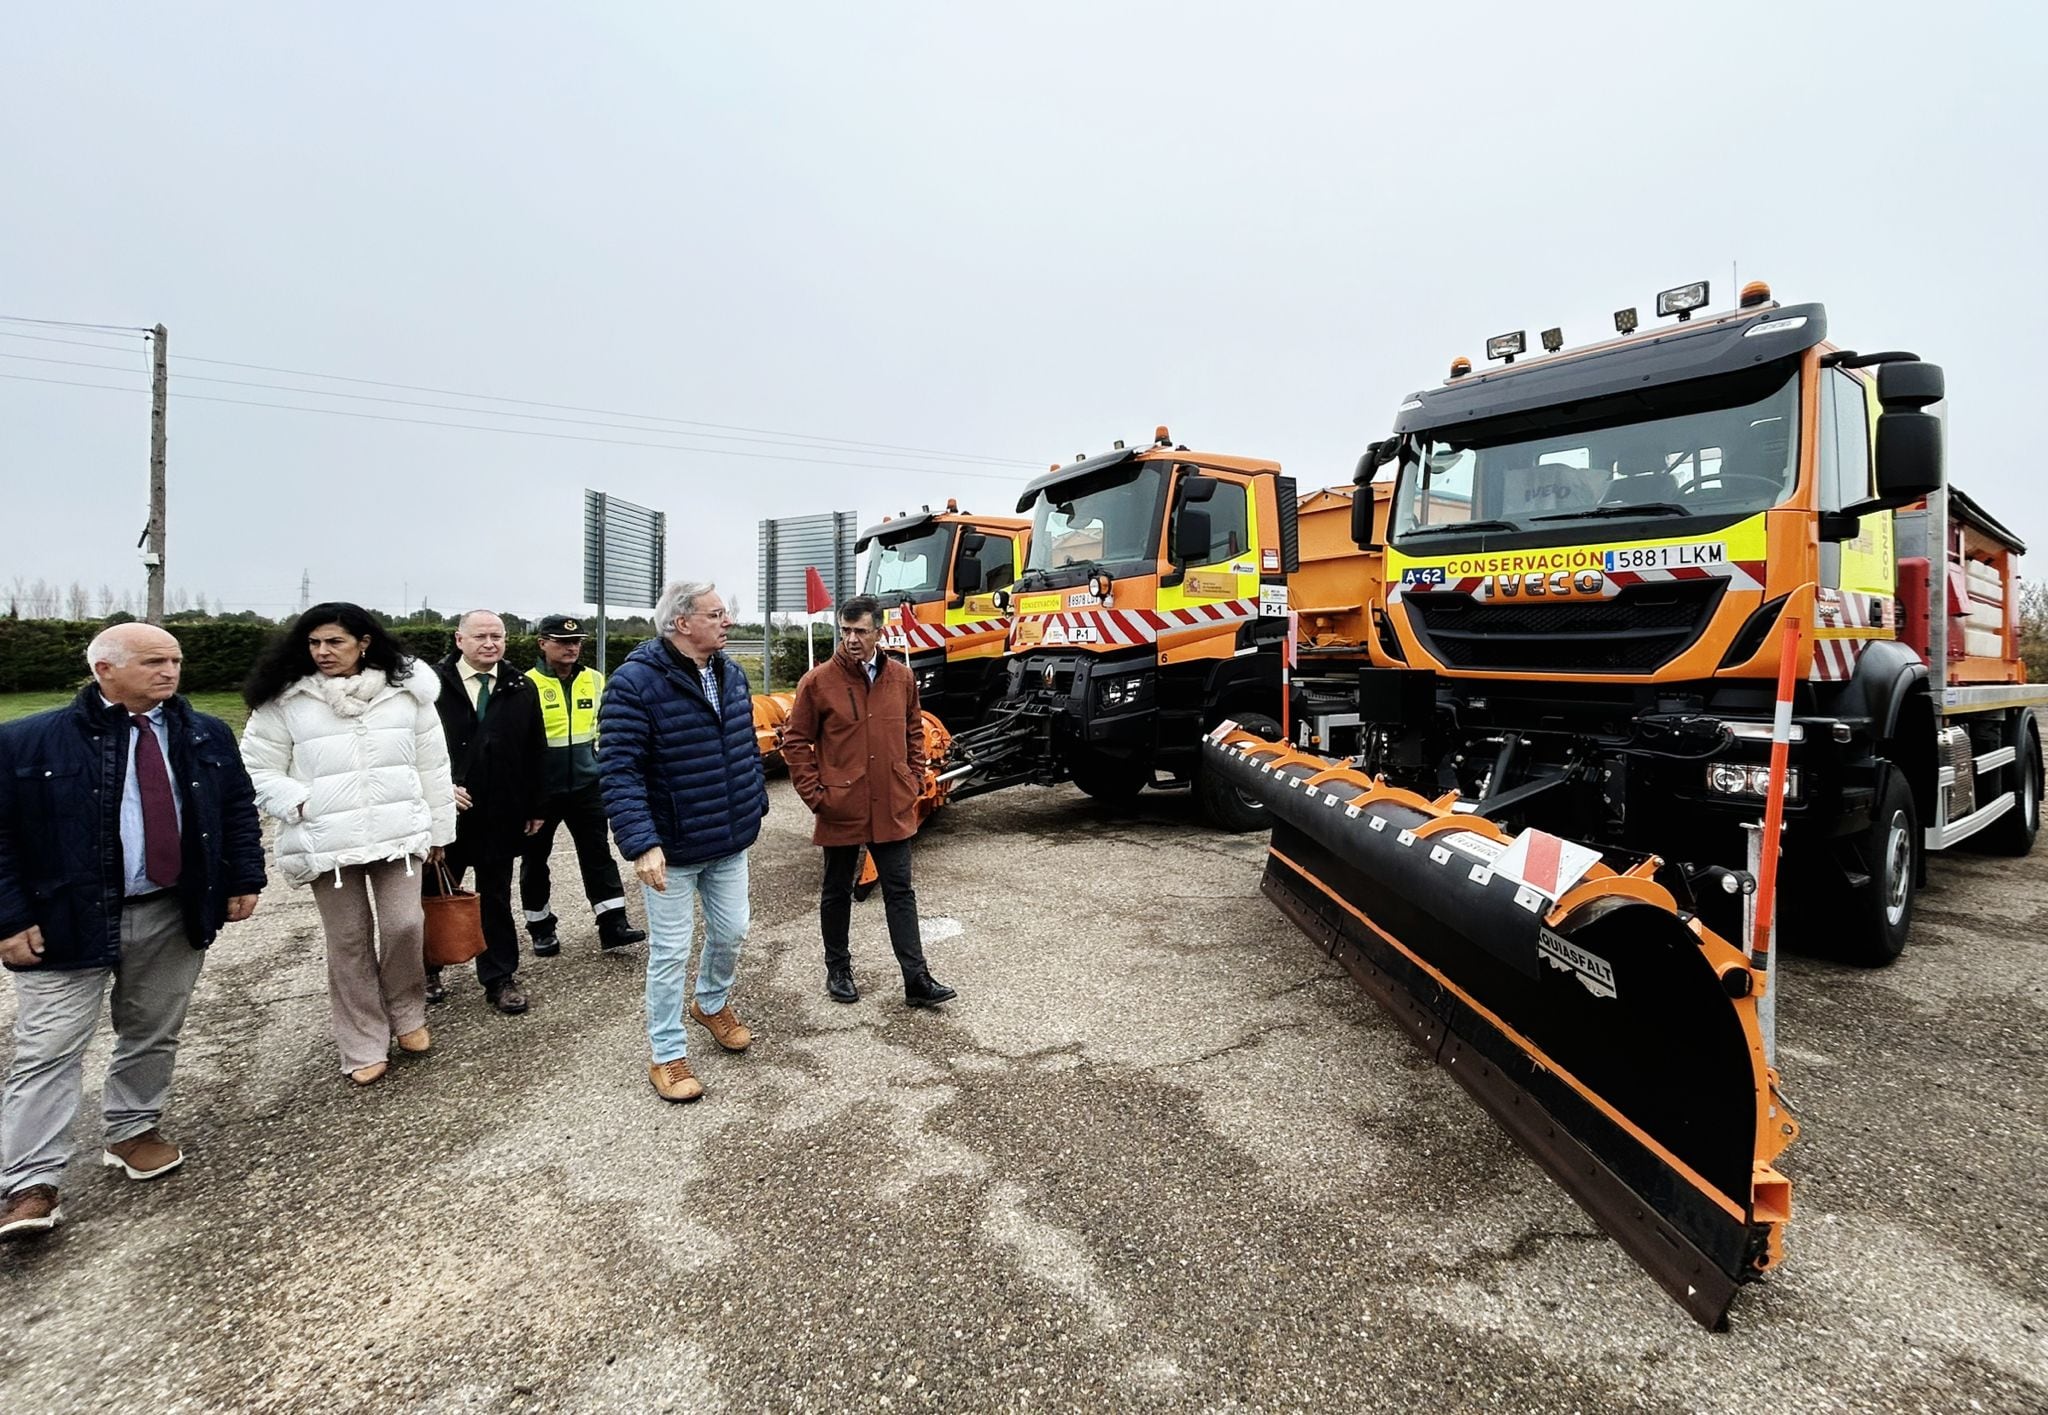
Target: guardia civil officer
(569, 696)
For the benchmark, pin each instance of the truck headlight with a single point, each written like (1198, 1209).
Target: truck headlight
(1121, 692)
(1735, 779)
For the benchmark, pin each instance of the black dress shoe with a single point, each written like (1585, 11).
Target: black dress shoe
(839, 985)
(924, 990)
(435, 992)
(615, 930)
(542, 931)
(506, 997)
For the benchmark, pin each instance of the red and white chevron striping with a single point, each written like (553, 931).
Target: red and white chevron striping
(1131, 628)
(1834, 660)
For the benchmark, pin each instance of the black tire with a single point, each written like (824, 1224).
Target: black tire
(2013, 833)
(1881, 910)
(1226, 807)
(1114, 781)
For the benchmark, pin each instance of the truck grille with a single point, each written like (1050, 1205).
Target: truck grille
(1637, 631)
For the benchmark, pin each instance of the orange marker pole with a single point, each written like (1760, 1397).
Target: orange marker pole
(1774, 800)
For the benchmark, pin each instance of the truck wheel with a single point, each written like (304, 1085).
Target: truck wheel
(1227, 808)
(1114, 780)
(1881, 910)
(2013, 833)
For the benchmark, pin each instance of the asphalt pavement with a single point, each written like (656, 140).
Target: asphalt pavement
(1162, 1154)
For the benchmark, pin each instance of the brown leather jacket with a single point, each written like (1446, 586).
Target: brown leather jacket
(856, 753)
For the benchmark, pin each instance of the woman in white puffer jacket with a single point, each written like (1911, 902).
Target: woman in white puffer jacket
(346, 753)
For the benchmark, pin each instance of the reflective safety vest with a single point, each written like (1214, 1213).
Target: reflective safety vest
(569, 717)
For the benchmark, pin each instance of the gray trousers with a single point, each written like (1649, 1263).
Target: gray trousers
(57, 1013)
(376, 959)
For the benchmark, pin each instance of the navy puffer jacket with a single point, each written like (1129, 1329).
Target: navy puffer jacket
(674, 772)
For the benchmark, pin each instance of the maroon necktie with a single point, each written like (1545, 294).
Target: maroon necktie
(160, 849)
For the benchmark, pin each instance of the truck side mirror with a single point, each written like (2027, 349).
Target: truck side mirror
(1191, 535)
(1368, 465)
(966, 575)
(973, 543)
(1362, 534)
(1909, 450)
(1195, 488)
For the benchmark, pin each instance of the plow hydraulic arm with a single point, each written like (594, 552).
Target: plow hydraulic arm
(1611, 1034)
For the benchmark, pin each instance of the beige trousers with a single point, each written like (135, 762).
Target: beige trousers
(376, 970)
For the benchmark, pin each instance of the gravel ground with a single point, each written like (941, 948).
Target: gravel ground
(1161, 1154)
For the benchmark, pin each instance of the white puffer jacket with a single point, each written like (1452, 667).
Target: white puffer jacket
(356, 768)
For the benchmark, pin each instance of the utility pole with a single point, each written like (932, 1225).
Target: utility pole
(159, 397)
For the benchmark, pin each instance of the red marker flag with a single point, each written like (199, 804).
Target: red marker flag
(817, 598)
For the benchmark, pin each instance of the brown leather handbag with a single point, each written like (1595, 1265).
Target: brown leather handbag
(455, 922)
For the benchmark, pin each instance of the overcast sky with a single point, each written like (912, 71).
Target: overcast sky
(1007, 239)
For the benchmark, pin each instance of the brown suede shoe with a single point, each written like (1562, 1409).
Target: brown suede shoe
(143, 1156)
(30, 1212)
(417, 1041)
(673, 1081)
(725, 1027)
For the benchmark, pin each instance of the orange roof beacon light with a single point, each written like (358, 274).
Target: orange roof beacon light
(1625, 321)
(1505, 346)
(1682, 300)
(1553, 340)
(1160, 437)
(1755, 293)
(953, 505)
(1460, 366)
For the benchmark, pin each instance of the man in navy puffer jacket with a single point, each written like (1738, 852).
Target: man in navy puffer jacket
(684, 789)
(128, 837)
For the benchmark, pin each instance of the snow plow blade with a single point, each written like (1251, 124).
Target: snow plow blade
(1611, 1035)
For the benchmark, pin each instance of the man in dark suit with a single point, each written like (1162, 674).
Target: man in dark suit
(491, 718)
(128, 838)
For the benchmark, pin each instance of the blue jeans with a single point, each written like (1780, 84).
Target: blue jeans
(671, 923)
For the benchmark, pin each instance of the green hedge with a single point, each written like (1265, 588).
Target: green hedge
(49, 654)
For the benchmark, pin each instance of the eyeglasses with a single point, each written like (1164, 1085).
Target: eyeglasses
(853, 632)
(715, 616)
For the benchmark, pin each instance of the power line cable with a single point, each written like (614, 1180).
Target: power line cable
(78, 343)
(838, 443)
(602, 412)
(75, 324)
(524, 432)
(454, 408)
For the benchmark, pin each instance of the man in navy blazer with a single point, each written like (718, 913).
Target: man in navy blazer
(684, 789)
(128, 836)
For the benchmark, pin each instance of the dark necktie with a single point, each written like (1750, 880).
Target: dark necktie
(161, 854)
(483, 694)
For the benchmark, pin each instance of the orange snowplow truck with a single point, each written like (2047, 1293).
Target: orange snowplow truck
(937, 575)
(1153, 605)
(1593, 559)
(1673, 626)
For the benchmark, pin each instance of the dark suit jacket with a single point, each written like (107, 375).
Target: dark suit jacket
(499, 761)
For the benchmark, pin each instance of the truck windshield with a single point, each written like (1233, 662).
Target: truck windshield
(913, 566)
(1100, 520)
(1717, 448)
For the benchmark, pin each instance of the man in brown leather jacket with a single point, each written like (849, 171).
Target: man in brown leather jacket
(854, 745)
